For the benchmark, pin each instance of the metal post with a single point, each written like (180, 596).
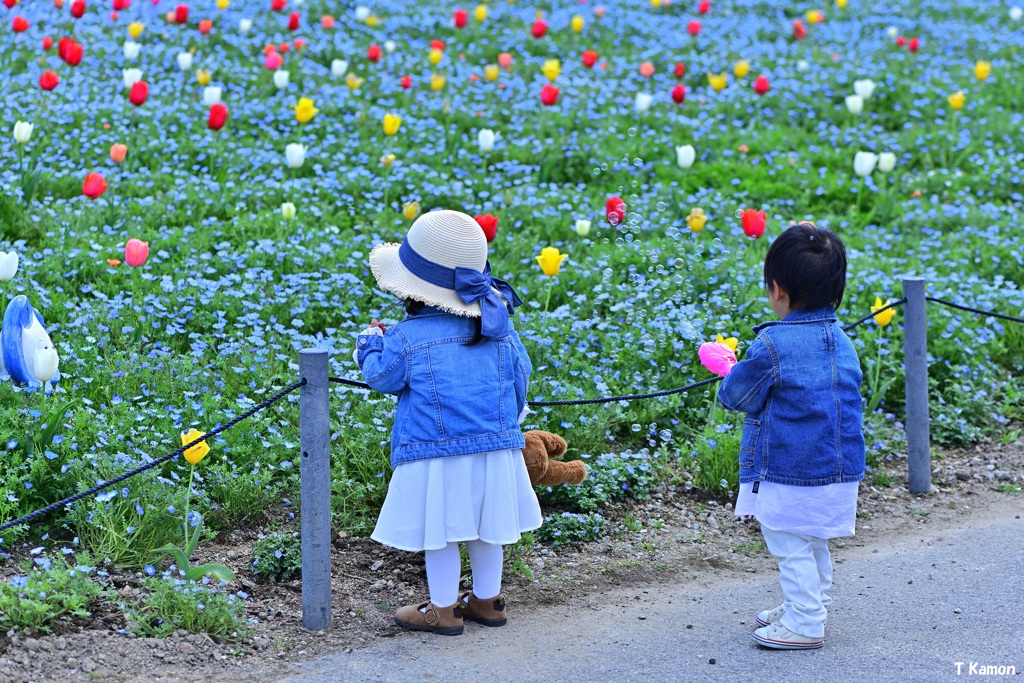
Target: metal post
(915, 351)
(315, 475)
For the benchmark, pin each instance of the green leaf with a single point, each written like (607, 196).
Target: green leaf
(175, 551)
(194, 541)
(218, 571)
(54, 424)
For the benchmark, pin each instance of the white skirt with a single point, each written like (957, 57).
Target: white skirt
(828, 511)
(437, 501)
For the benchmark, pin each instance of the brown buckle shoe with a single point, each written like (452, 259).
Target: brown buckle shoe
(445, 621)
(490, 612)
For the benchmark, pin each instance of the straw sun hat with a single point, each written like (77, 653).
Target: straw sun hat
(443, 263)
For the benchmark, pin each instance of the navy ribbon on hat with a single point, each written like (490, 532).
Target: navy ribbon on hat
(471, 285)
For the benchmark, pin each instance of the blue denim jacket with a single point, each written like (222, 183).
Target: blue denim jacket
(453, 398)
(799, 385)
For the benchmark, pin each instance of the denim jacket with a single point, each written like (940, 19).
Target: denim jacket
(454, 397)
(799, 385)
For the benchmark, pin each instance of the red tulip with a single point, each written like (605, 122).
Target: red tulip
(373, 54)
(549, 94)
(78, 9)
(293, 21)
(47, 43)
(284, 47)
(114, 16)
(901, 41)
(761, 85)
(9, 4)
(121, 5)
(136, 252)
(94, 186)
(62, 45)
(204, 26)
(704, 7)
(753, 223)
(49, 80)
(299, 43)
(539, 28)
(680, 70)
(20, 24)
(615, 210)
(489, 224)
(277, 5)
(913, 44)
(589, 58)
(138, 93)
(327, 22)
(181, 14)
(406, 82)
(459, 18)
(218, 116)
(437, 45)
(693, 28)
(679, 93)
(799, 31)
(73, 52)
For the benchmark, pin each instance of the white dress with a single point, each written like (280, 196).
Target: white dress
(820, 511)
(433, 502)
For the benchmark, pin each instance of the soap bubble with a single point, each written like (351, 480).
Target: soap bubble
(724, 484)
(635, 427)
(665, 435)
(631, 132)
(739, 213)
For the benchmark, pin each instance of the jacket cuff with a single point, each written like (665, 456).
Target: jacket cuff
(366, 344)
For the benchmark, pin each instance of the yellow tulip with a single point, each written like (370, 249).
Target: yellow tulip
(956, 100)
(481, 12)
(372, 21)
(222, 5)
(814, 17)
(435, 57)
(387, 159)
(195, 454)
(203, 76)
(304, 110)
(885, 317)
(841, 4)
(410, 210)
(982, 69)
(741, 68)
(576, 23)
(391, 124)
(135, 29)
(731, 342)
(696, 220)
(655, 4)
(551, 69)
(353, 81)
(491, 72)
(718, 81)
(437, 81)
(550, 260)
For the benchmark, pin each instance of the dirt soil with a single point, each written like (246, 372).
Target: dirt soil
(675, 534)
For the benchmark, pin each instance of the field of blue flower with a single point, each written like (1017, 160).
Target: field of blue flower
(258, 209)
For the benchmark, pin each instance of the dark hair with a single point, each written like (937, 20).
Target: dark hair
(809, 264)
(413, 307)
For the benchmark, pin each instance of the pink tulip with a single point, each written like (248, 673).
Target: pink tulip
(274, 60)
(505, 60)
(136, 252)
(717, 357)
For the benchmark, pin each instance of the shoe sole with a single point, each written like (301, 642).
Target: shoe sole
(786, 645)
(762, 622)
(452, 631)
(487, 622)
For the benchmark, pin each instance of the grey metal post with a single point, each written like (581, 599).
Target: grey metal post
(315, 475)
(916, 371)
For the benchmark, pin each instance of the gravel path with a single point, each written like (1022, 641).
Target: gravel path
(908, 610)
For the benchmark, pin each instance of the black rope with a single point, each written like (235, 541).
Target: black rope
(872, 314)
(142, 468)
(991, 314)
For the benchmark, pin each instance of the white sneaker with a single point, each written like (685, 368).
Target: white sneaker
(770, 616)
(779, 637)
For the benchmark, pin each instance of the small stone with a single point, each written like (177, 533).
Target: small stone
(60, 644)
(711, 661)
(72, 662)
(689, 626)
(88, 666)
(376, 565)
(963, 476)
(956, 610)
(31, 644)
(641, 618)
(186, 647)
(378, 586)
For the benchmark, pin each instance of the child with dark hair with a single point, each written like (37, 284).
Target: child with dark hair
(802, 449)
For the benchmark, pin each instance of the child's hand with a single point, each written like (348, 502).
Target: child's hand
(376, 323)
(717, 357)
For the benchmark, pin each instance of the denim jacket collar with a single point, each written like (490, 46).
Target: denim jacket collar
(803, 315)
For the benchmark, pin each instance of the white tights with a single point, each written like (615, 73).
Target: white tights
(444, 568)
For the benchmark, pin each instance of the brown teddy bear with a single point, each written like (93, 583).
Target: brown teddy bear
(540, 447)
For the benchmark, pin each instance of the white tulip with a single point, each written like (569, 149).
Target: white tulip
(338, 68)
(131, 77)
(287, 211)
(44, 365)
(864, 88)
(389, 46)
(864, 163)
(244, 25)
(22, 134)
(362, 13)
(582, 227)
(854, 104)
(131, 50)
(295, 155)
(185, 61)
(892, 31)
(685, 156)
(643, 101)
(8, 265)
(1016, 13)
(802, 65)
(211, 95)
(486, 139)
(281, 79)
(886, 161)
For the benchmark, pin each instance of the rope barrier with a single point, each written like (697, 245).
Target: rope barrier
(872, 314)
(978, 311)
(142, 468)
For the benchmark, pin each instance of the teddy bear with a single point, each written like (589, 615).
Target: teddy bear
(540, 448)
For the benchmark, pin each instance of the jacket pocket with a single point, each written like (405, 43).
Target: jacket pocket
(748, 442)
